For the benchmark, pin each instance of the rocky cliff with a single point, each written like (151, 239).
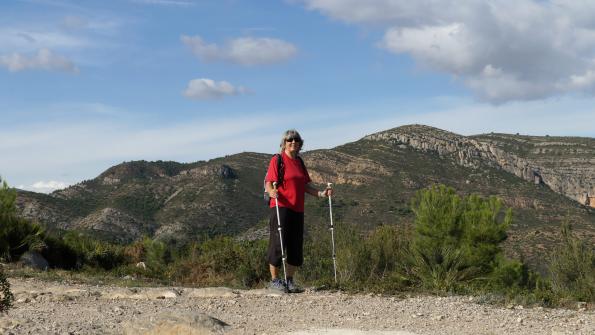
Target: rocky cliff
(564, 164)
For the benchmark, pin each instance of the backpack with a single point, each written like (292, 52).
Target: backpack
(280, 173)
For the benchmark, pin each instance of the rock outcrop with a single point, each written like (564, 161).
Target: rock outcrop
(114, 222)
(566, 165)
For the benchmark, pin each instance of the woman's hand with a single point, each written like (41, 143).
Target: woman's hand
(273, 193)
(326, 193)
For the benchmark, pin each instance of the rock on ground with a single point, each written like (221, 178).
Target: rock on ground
(176, 323)
(64, 308)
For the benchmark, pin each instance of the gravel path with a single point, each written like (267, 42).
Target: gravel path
(58, 308)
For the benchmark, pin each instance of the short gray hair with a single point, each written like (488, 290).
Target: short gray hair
(291, 133)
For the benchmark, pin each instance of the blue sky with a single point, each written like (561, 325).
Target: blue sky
(85, 85)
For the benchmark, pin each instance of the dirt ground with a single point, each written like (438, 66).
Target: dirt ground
(64, 308)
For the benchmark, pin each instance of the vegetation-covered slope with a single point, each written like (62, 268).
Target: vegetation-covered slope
(375, 179)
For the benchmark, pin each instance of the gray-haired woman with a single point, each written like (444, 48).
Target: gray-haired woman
(290, 194)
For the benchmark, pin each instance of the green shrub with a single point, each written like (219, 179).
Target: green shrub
(6, 297)
(572, 267)
(90, 252)
(8, 197)
(253, 269)
(368, 261)
(157, 255)
(318, 263)
(223, 261)
(60, 255)
(510, 274)
(455, 240)
(18, 236)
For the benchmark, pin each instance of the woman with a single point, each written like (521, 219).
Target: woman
(290, 194)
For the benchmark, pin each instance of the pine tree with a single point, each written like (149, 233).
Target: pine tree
(8, 197)
(7, 200)
(455, 239)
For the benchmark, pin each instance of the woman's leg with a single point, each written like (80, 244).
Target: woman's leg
(295, 241)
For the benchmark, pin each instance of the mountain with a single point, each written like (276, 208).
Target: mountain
(168, 200)
(546, 180)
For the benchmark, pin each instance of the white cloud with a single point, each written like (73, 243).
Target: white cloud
(540, 48)
(585, 80)
(207, 89)
(45, 186)
(45, 59)
(244, 50)
(443, 47)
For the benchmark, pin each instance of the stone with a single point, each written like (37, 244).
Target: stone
(211, 292)
(191, 323)
(34, 260)
(8, 323)
(134, 294)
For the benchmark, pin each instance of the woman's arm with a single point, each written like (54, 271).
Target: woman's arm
(315, 192)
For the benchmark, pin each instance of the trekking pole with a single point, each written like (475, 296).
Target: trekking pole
(330, 206)
(280, 233)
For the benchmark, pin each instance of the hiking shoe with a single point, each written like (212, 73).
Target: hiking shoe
(292, 287)
(278, 285)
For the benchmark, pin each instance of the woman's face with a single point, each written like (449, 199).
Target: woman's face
(293, 144)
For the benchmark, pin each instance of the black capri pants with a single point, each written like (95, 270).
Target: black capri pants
(293, 237)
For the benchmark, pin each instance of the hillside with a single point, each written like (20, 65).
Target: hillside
(168, 200)
(374, 177)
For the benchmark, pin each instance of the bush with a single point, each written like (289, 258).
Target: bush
(60, 255)
(369, 261)
(455, 240)
(572, 267)
(8, 197)
(156, 255)
(318, 262)
(6, 297)
(87, 251)
(511, 274)
(17, 235)
(223, 261)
